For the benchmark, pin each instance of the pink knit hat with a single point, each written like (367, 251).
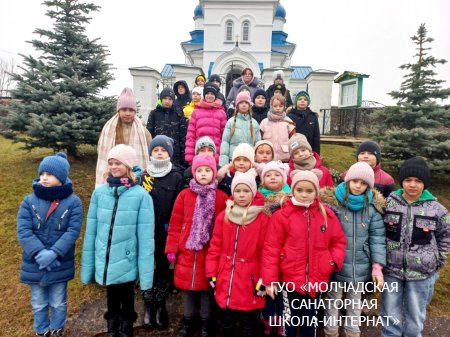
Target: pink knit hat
(204, 160)
(361, 170)
(126, 100)
(278, 166)
(123, 153)
(243, 97)
(247, 178)
(302, 175)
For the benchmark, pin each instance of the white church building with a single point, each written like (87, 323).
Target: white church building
(228, 37)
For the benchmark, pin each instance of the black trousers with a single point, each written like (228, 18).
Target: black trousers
(248, 322)
(120, 300)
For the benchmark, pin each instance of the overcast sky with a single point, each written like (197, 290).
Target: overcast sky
(371, 37)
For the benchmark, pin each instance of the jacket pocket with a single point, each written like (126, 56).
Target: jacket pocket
(393, 221)
(422, 261)
(423, 229)
(285, 148)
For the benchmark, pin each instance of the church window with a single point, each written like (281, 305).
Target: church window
(246, 31)
(229, 31)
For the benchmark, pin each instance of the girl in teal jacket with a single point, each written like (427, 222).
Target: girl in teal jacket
(118, 245)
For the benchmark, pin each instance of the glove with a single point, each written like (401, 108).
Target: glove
(54, 264)
(171, 257)
(45, 257)
(212, 281)
(260, 288)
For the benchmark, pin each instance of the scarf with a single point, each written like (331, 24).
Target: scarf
(302, 204)
(242, 215)
(273, 117)
(266, 192)
(203, 219)
(52, 193)
(107, 141)
(159, 168)
(305, 164)
(354, 202)
(117, 182)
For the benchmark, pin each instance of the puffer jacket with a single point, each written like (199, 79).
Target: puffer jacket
(57, 232)
(307, 123)
(327, 178)
(234, 258)
(241, 135)
(239, 82)
(190, 264)
(278, 133)
(303, 247)
(417, 236)
(365, 233)
(208, 119)
(118, 244)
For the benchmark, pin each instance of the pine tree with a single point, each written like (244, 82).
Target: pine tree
(417, 125)
(56, 100)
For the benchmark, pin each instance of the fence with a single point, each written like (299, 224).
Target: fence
(346, 121)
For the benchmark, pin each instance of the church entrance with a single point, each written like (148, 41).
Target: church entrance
(233, 73)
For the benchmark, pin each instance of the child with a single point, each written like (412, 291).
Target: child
(418, 240)
(217, 81)
(239, 233)
(305, 246)
(164, 182)
(208, 119)
(260, 105)
(182, 93)
(123, 128)
(358, 207)
(306, 121)
(48, 224)
(263, 151)
(118, 244)
(278, 128)
(204, 145)
(304, 158)
(232, 106)
(190, 230)
(200, 81)
(197, 95)
(274, 185)
(242, 128)
(168, 120)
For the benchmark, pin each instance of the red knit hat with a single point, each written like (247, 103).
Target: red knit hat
(204, 160)
(126, 100)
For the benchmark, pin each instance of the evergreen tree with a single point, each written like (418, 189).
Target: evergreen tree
(417, 125)
(56, 100)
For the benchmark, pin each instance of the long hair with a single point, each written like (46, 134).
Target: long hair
(120, 139)
(365, 209)
(233, 127)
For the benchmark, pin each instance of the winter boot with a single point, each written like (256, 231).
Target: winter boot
(112, 324)
(57, 333)
(162, 317)
(149, 314)
(186, 328)
(43, 334)
(126, 325)
(205, 328)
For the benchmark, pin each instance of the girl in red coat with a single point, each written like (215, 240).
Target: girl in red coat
(190, 230)
(233, 263)
(305, 245)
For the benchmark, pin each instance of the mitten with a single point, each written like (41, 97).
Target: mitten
(45, 257)
(171, 257)
(54, 264)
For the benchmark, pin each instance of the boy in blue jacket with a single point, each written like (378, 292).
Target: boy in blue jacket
(48, 224)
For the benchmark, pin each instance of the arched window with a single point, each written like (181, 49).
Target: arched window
(246, 31)
(229, 31)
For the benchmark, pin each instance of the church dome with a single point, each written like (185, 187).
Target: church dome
(198, 11)
(281, 12)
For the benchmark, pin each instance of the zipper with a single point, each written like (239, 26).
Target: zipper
(407, 235)
(232, 265)
(193, 270)
(254, 289)
(113, 219)
(37, 216)
(62, 218)
(354, 246)
(307, 256)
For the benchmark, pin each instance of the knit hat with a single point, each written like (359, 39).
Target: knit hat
(57, 165)
(244, 150)
(244, 87)
(311, 176)
(304, 94)
(264, 142)
(198, 90)
(163, 141)
(361, 170)
(298, 141)
(205, 141)
(278, 166)
(209, 87)
(199, 77)
(126, 100)
(167, 92)
(372, 147)
(204, 160)
(259, 92)
(123, 153)
(215, 78)
(247, 178)
(281, 87)
(278, 75)
(243, 97)
(415, 167)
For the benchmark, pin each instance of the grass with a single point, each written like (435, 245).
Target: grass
(19, 168)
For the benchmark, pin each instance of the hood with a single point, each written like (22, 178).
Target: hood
(183, 83)
(426, 196)
(238, 82)
(214, 105)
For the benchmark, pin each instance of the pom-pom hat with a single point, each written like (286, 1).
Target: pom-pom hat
(57, 165)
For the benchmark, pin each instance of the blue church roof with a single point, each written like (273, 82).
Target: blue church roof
(281, 12)
(198, 11)
(300, 73)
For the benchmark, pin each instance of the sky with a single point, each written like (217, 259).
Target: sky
(366, 36)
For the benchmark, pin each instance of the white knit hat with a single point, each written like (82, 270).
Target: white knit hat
(244, 150)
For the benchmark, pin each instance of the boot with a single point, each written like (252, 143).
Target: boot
(43, 334)
(162, 317)
(126, 325)
(149, 314)
(57, 333)
(186, 327)
(112, 324)
(205, 327)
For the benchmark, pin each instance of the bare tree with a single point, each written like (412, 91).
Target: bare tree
(7, 67)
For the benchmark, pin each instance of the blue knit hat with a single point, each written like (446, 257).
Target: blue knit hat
(163, 141)
(57, 165)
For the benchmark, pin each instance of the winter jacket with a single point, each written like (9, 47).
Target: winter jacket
(365, 233)
(208, 119)
(188, 110)
(57, 232)
(271, 91)
(118, 244)
(241, 135)
(190, 264)
(417, 236)
(327, 178)
(307, 123)
(237, 83)
(181, 100)
(259, 113)
(302, 247)
(171, 123)
(278, 133)
(234, 258)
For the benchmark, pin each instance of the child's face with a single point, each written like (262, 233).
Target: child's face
(160, 153)
(304, 192)
(412, 188)
(244, 107)
(116, 168)
(242, 195)
(196, 97)
(273, 180)
(302, 103)
(260, 101)
(357, 186)
(167, 102)
(277, 107)
(209, 97)
(47, 179)
(277, 93)
(301, 153)
(206, 150)
(181, 89)
(242, 164)
(200, 82)
(263, 154)
(204, 175)
(368, 157)
(127, 115)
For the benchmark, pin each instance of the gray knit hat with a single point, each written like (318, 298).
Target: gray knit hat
(205, 141)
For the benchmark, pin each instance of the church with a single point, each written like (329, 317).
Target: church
(229, 36)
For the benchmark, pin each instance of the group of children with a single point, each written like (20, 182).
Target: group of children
(250, 213)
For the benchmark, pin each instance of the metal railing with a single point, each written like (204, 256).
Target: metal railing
(346, 121)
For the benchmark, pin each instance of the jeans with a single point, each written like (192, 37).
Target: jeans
(408, 305)
(43, 298)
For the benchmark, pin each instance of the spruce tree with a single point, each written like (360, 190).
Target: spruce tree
(56, 101)
(417, 125)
